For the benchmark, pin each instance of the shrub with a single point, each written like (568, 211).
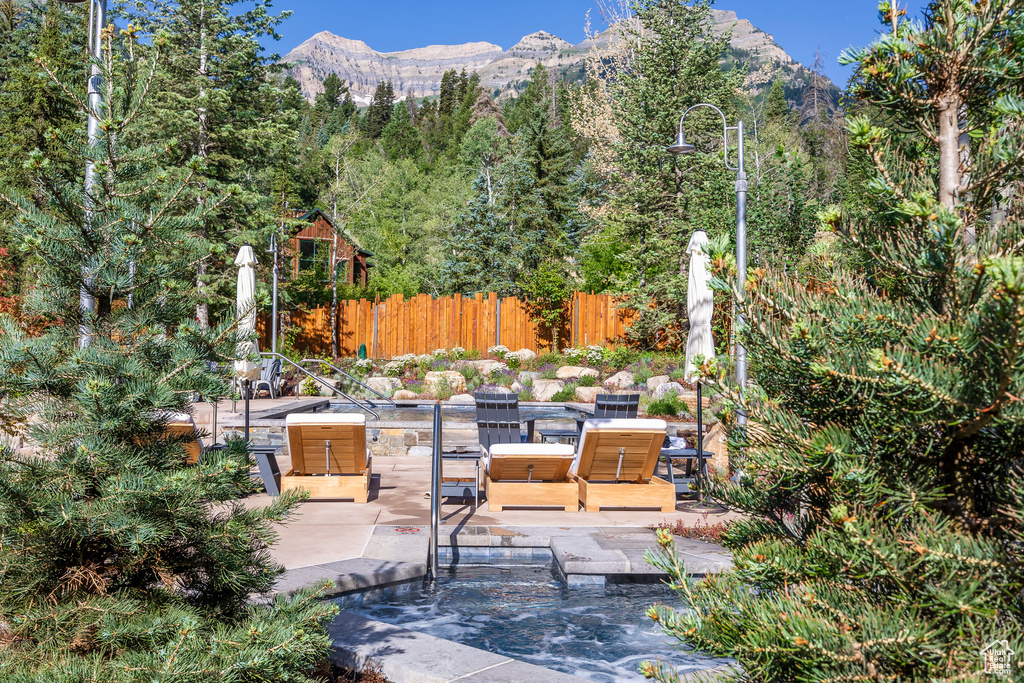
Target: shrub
(677, 375)
(700, 531)
(498, 351)
(443, 390)
(566, 393)
(548, 358)
(573, 355)
(642, 375)
(547, 371)
(526, 394)
(468, 372)
(669, 406)
(588, 381)
(621, 357)
(310, 387)
(363, 366)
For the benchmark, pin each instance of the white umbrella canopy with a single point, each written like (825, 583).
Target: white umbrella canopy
(245, 302)
(700, 304)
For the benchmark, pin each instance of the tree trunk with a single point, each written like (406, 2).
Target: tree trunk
(202, 149)
(949, 156)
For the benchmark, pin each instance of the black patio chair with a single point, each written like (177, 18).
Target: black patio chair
(616, 406)
(497, 419)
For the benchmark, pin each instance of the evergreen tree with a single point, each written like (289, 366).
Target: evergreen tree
(656, 199)
(480, 252)
(776, 109)
(881, 482)
(119, 561)
(399, 139)
(216, 97)
(381, 108)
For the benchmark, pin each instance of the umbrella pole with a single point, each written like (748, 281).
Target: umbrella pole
(700, 447)
(245, 388)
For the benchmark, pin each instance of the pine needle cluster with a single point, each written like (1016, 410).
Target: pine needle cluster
(881, 468)
(119, 560)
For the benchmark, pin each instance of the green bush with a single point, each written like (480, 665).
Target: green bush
(550, 373)
(526, 394)
(469, 372)
(641, 376)
(588, 381)
(677, 375)
(669, 406)
(621, 357)
(566, 393)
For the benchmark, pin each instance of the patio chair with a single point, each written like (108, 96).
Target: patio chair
(614, 465)
(270, 377)
(329, 455)
(615, 406)
(497, 419)
(530, 474)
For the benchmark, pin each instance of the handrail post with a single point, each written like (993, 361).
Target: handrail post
(435, 491)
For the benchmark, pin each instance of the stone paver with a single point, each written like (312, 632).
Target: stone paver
(406, 656)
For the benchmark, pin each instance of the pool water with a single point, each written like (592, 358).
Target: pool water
(453, 413)
(527, 613)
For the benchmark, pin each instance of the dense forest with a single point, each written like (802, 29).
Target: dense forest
(561, 186)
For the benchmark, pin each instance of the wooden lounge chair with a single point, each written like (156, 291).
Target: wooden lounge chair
(329, 455)
(183, 426)
(614, 465)
(530, 474)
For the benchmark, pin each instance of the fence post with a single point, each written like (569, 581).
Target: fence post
(497, 325)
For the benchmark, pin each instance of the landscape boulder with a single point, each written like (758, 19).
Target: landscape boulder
(620, 380)
(462, 399)
(384, 385)
(588, 394)
(526, 354)
(486, 367)
(405, 395)
(454, 382)
(655, 382)
(575, 372)
(690, 398)
(527, 377)
(517, 386)
(544, 389)
(667, 388)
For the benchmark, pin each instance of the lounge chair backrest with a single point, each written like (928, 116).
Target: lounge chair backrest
(182, 426)
(619, 450)
(327, 443)
(613, 406)
(530, 462)
(497, 418)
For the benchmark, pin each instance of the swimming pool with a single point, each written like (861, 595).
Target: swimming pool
(528, 613)
(453, 413)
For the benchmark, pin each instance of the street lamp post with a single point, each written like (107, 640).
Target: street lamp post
(681, 146)
(97, 22)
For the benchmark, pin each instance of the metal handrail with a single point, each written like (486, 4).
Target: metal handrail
(271, 354)
(435, 492)
(334, 367)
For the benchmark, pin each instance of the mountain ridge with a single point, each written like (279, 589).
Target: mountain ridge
(418, 71)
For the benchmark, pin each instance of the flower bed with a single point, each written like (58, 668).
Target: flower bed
(574, 375)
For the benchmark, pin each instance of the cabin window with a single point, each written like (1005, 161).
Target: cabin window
(307, 254)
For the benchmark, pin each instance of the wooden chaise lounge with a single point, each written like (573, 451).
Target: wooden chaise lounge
(614, 465)
(329, 455)
(530, 474)
(183, 426)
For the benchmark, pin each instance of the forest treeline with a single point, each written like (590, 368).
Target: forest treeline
(561, 186)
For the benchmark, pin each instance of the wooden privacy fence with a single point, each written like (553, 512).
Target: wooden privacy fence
(419, 325)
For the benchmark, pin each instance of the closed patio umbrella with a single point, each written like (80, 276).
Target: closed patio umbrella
(245, 302)
(700, 305)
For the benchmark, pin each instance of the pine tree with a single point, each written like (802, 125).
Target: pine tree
(881, 465)
(217, 96)
(399, 139)
(480, 252)
(380, 110)
(119, 561)
(657, 199)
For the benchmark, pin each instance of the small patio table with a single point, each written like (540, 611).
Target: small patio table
(688, 454)
(462, 487)
(576, 415)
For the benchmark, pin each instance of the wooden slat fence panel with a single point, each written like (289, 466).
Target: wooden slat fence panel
(419, 325)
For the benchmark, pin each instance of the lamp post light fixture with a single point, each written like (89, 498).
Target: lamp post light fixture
(97, 22)
(681, 146)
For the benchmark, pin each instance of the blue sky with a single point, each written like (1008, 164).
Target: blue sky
(799, 26)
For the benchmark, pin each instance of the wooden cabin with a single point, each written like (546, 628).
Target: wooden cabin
(313, 233)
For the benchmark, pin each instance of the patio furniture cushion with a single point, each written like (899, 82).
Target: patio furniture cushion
(511, 461)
